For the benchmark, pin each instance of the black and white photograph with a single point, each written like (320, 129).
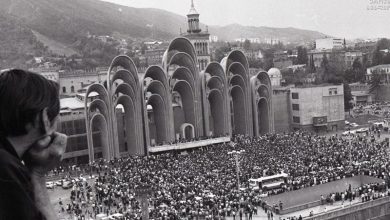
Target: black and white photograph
(194, 110)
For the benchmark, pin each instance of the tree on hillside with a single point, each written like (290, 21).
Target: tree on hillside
(347, 97)
(247, 45)
(302, 55)
(220, 52)
(356, 73)
(375, 82)
(378, 57)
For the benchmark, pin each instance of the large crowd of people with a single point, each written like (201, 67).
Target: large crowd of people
(203, 182)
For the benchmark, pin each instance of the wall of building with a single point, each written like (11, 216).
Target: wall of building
(329, 43)
(383, 93)
(282, 110)
(321, 101)
(77, 82)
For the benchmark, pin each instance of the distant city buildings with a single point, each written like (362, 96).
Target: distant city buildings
(341, 57)
(154, 56)
(379, 69)
(360, 94)
(213, 38)
(271, 41)
(282, 59)
(329, 43)
(72, 82)
(49, 73)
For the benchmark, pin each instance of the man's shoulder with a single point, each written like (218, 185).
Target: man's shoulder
(11, 168)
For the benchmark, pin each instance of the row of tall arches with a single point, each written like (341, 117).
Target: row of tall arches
(132, 112)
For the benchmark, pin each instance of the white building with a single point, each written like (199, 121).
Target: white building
(382, 69)
(275, 75)
(329, 43)
(213, 38)
(318, 108)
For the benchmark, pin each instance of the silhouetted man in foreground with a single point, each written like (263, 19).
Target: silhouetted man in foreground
(29, 145)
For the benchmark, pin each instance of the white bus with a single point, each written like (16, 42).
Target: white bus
(268, 182)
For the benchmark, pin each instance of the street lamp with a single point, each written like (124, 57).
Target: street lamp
(236, 154)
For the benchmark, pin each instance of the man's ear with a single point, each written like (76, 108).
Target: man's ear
(48, 126)
(45, 122)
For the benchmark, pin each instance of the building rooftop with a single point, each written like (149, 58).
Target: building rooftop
(315, 85)
(71, 104)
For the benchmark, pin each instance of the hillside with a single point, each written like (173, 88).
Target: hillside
(17, 43)
(292, 35)
(61, 26)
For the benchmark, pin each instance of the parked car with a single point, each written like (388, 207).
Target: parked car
(59, 182)
(362, 130)
(49, 185)
(67, 185)
(353, 125)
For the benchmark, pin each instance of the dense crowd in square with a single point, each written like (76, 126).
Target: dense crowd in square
(203, 182)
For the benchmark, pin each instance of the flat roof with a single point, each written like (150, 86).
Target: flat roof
(71, 103)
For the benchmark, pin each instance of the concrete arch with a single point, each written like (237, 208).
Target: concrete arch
(104, 135)
(129, 123)
(98, 88)
(160, 100)
(238, 80)
(264, 78)
(215, 69)
(126, 89)
(184, 60)
(239, 110)
(157, 73)
(187, 130)
(263, 92)
(161, 119)
(235, 56)
(217, 122)
(99, 105)
(216, 82)
(124, 62)
(181, 44)
(183, 73)
(263, 116)
(157, 87)
(188, 100)
(238, 69)
(127, 78)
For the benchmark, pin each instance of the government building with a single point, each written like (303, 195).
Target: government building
(185, 102)
(176, 104)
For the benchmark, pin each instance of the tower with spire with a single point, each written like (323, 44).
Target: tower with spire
(200, 39)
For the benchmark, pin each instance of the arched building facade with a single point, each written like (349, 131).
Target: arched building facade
(132, 113)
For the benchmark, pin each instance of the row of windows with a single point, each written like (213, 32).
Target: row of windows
(73, 127)
(295, 95)
(296, 119)
(295, 107)
(333, 91)
(71, 89)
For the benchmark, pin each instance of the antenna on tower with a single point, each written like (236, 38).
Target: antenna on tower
(192, 3)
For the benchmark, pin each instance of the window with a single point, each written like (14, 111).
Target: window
(72, 89)
(295, 107)
(64, 89)
(295, 95)
(296, 119)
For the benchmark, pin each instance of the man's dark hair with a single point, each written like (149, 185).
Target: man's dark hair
(23, 96)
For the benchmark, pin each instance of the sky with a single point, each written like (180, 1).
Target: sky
(340, 18)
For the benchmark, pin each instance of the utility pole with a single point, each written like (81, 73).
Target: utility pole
(236, 154)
